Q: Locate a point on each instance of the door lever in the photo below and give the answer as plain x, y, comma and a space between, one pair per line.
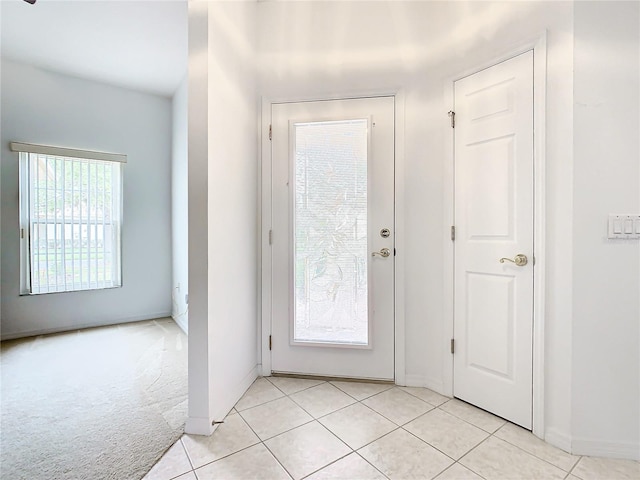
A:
520, 260
385, 252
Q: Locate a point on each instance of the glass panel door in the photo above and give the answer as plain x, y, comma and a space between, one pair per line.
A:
330, 232
331, 250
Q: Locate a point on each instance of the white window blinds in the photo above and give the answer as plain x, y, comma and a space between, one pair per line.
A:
71, 219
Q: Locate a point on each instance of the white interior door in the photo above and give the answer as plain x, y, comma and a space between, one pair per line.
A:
333, 238
493, 306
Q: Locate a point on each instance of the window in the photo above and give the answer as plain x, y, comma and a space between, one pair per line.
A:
70, 219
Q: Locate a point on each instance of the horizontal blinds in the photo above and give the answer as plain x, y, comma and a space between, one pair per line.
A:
67, 152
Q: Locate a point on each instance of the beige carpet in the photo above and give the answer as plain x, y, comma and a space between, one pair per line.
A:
101, 403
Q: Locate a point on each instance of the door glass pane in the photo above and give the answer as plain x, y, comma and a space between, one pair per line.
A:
330, 230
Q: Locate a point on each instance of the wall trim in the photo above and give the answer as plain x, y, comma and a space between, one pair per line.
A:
425, 382
538, 44
601, 448
232, 396
199, 426
265, 250
81, 326
399, 210
181, 321
558, 439
415, 381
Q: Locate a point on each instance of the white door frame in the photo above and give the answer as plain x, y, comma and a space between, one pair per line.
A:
539, 46
265, 219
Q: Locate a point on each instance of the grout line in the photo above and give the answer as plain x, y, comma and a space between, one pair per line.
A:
260, 404
394, 422
368, 396
483, 441
432, 446
463, 466
376, 439
473, 424
277, 460
186, 452
232, 453
273, 436
297, 391
531, 453
329, 464
381, 472
580, 457
435, 393
326, 414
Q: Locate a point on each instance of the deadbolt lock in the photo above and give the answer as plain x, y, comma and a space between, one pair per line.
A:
385, 233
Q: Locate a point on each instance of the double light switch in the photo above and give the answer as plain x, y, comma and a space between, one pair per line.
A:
624, 226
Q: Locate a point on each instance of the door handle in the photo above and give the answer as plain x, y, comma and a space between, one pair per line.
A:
520, 260
385, 252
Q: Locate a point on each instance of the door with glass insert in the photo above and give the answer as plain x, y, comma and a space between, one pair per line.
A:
333, 238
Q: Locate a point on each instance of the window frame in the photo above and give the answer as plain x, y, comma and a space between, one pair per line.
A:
25, 221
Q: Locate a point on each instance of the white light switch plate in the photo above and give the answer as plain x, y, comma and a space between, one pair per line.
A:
624, 226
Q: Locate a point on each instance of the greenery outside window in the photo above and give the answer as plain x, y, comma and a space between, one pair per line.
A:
70, 219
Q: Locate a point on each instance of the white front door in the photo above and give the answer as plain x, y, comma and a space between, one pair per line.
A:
333, 238
493, 305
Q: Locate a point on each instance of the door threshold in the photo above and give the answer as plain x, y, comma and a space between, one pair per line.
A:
328, 378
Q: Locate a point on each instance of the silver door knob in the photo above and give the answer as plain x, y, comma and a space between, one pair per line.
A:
385, 252
520, 260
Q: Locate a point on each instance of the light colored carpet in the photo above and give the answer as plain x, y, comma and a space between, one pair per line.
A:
101, 403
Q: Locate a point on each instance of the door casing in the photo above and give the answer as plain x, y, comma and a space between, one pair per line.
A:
265, 219
539, 46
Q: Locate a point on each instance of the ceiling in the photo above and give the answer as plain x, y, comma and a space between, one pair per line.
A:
141, 45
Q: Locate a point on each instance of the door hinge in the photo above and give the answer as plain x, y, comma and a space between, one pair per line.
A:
453, 346
270, 133
452, 116
22, 233
453, 233
270, 342
270, 237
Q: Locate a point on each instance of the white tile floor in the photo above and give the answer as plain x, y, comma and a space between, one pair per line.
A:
285, 428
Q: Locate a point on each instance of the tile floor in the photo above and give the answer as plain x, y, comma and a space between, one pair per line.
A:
285, 428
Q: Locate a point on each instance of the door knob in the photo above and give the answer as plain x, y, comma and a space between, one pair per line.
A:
385, 252
520, 260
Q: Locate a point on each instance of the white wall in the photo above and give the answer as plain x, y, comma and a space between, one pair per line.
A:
333, 49
52, 109
179, 207
606, 288
223, 140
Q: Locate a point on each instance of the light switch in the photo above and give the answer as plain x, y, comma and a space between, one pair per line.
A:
617, 225
624, 226
628, 226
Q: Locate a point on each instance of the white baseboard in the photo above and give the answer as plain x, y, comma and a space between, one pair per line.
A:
80, 326
181, 321
234, 394
199, 426
558, 439
415, 380
598, 448
435, 385
425, 382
